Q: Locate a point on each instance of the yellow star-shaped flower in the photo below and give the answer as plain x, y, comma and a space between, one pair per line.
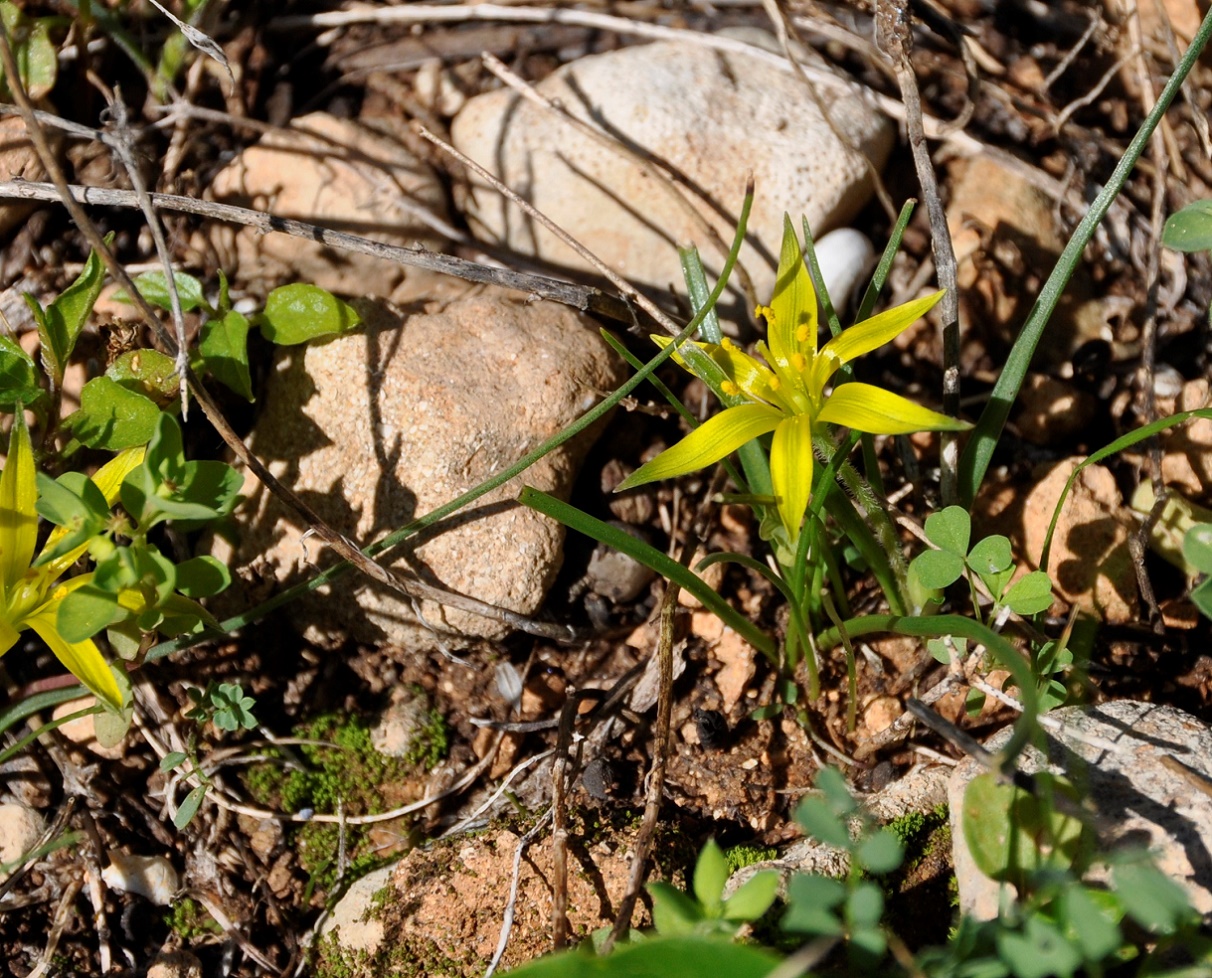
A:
789, 393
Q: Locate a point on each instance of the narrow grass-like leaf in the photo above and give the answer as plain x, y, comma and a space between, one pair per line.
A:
979, 453
650, 557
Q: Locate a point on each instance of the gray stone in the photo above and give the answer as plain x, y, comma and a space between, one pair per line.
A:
712, 117
1141, 799
378, 427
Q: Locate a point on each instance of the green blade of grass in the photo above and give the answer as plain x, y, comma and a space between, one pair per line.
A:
979, 453
649, 556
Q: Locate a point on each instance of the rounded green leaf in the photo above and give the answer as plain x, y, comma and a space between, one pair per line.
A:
818, 820
201, 577
298, 313
991, 555
1151, 898
754, 898
113, 417
811, 901
153, 286
18, 375
881, 852
1030, 595
673, 912
1197, 547
661, 957
865, 905
147, 372
1191, 228
1089, 925
86, 611
937, 569
950, 530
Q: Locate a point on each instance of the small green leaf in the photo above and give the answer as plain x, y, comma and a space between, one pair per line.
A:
818, 820
298, 313
1201, 597
881, 852
147, 372
154, 288
1190, 229
33, 50
189, 807
1197, 547
87, 611
810, 905
937, 569
1151, 898
224, 349
950, 530
754, 898
1089, 926
710, 875
18, 376
974, 702
202, 577
991, 555
1030, 595
113, 417
171, 760
944, 649
1040, 951
832, 785
673, 913
865, 905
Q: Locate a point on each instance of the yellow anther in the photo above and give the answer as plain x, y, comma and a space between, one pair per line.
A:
726, 344
766, 313
798, 361
801, 333
775, 383
729, 388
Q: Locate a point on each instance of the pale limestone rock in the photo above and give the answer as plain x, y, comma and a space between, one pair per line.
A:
1140, 801
711, 116
383, 425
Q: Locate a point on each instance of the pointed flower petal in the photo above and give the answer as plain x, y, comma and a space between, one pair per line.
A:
865, 407
82, 659
18, 515
707, 444
873, 333
8, 636
791, 469
792, 317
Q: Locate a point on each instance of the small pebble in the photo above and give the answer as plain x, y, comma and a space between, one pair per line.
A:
599, 779
712, 728
152, 877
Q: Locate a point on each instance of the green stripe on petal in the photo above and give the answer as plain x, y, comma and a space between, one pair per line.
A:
18, 498
707, 444
109, 480
791, 469
793, 305
82, 659
873, 333
865, 407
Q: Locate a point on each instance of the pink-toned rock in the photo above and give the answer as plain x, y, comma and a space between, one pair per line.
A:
18, 161
1187, 451
336, 173
1090, 563
1052, 411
